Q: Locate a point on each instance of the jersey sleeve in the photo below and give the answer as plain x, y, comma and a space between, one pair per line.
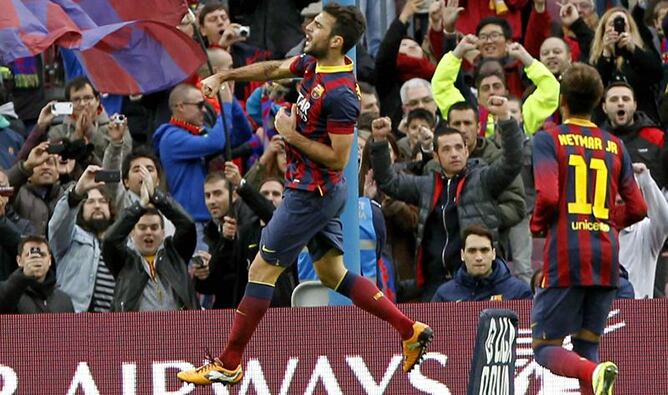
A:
545, 172
342, 108
300, 64
634, 208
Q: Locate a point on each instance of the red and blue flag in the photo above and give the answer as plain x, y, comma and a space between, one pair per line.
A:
125, 46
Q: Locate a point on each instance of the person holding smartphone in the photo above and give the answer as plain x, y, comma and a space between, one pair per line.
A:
87, 121
32, 287
622, 51
80, 219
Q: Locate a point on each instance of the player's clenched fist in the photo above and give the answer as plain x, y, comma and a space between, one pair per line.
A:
380, 128
286, 123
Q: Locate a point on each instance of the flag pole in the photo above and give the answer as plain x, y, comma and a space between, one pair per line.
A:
228, 139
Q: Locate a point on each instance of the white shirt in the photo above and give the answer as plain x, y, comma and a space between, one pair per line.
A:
640, 244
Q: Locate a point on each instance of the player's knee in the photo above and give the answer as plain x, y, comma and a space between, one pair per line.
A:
264, 272
541, 349
586, 349
330, 269
587, 335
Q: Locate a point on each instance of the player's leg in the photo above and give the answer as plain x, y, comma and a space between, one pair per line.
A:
226, 368
556, 313
262, 278
597, 304
326, 250
291, 226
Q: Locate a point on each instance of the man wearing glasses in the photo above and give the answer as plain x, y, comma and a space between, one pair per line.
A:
88, 120
184, 143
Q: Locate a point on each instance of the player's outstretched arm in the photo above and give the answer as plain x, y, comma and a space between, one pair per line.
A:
261, 71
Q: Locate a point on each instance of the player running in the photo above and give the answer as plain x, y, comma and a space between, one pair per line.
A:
318, 131
579, 171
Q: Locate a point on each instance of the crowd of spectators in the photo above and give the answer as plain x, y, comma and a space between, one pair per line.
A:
178, 218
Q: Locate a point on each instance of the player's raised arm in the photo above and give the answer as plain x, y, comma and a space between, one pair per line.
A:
262, 71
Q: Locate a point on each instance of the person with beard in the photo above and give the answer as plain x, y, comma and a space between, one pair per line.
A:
643, 138
318, 132
32, 287
151, 273
77, 227
35, 181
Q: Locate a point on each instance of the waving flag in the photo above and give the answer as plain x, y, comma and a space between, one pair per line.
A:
125, 46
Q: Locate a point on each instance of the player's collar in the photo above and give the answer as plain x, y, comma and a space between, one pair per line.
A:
346, 68
580, 122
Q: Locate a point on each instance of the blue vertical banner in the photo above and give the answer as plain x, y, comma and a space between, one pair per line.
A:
351, 231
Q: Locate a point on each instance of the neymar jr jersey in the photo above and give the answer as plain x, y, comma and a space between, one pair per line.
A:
328, 102
579, 171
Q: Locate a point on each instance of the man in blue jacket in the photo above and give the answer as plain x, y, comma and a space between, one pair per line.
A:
184, 143
483, 276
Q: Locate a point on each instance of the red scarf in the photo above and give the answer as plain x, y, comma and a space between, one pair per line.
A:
187, 126
410, 67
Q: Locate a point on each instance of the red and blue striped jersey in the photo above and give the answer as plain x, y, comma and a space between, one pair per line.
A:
579, 171
328, 102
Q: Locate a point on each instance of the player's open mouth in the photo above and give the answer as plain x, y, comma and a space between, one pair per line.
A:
621, 114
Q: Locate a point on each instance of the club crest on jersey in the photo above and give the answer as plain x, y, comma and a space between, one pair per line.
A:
317, 92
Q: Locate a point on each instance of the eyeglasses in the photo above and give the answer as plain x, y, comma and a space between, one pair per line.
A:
199, 104
491, 36
83, 99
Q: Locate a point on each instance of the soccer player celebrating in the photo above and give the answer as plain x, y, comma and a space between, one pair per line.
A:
579, 171
318, 131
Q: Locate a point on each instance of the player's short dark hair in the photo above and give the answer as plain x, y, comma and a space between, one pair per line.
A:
581, 89
464, 106
478, 230
32, 239
618, 84
350, 24
421, 113
444, 130
495, 20
487, 68
141, 151
209, 8
77, 84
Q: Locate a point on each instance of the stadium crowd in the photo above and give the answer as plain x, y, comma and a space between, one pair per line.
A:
76, 237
